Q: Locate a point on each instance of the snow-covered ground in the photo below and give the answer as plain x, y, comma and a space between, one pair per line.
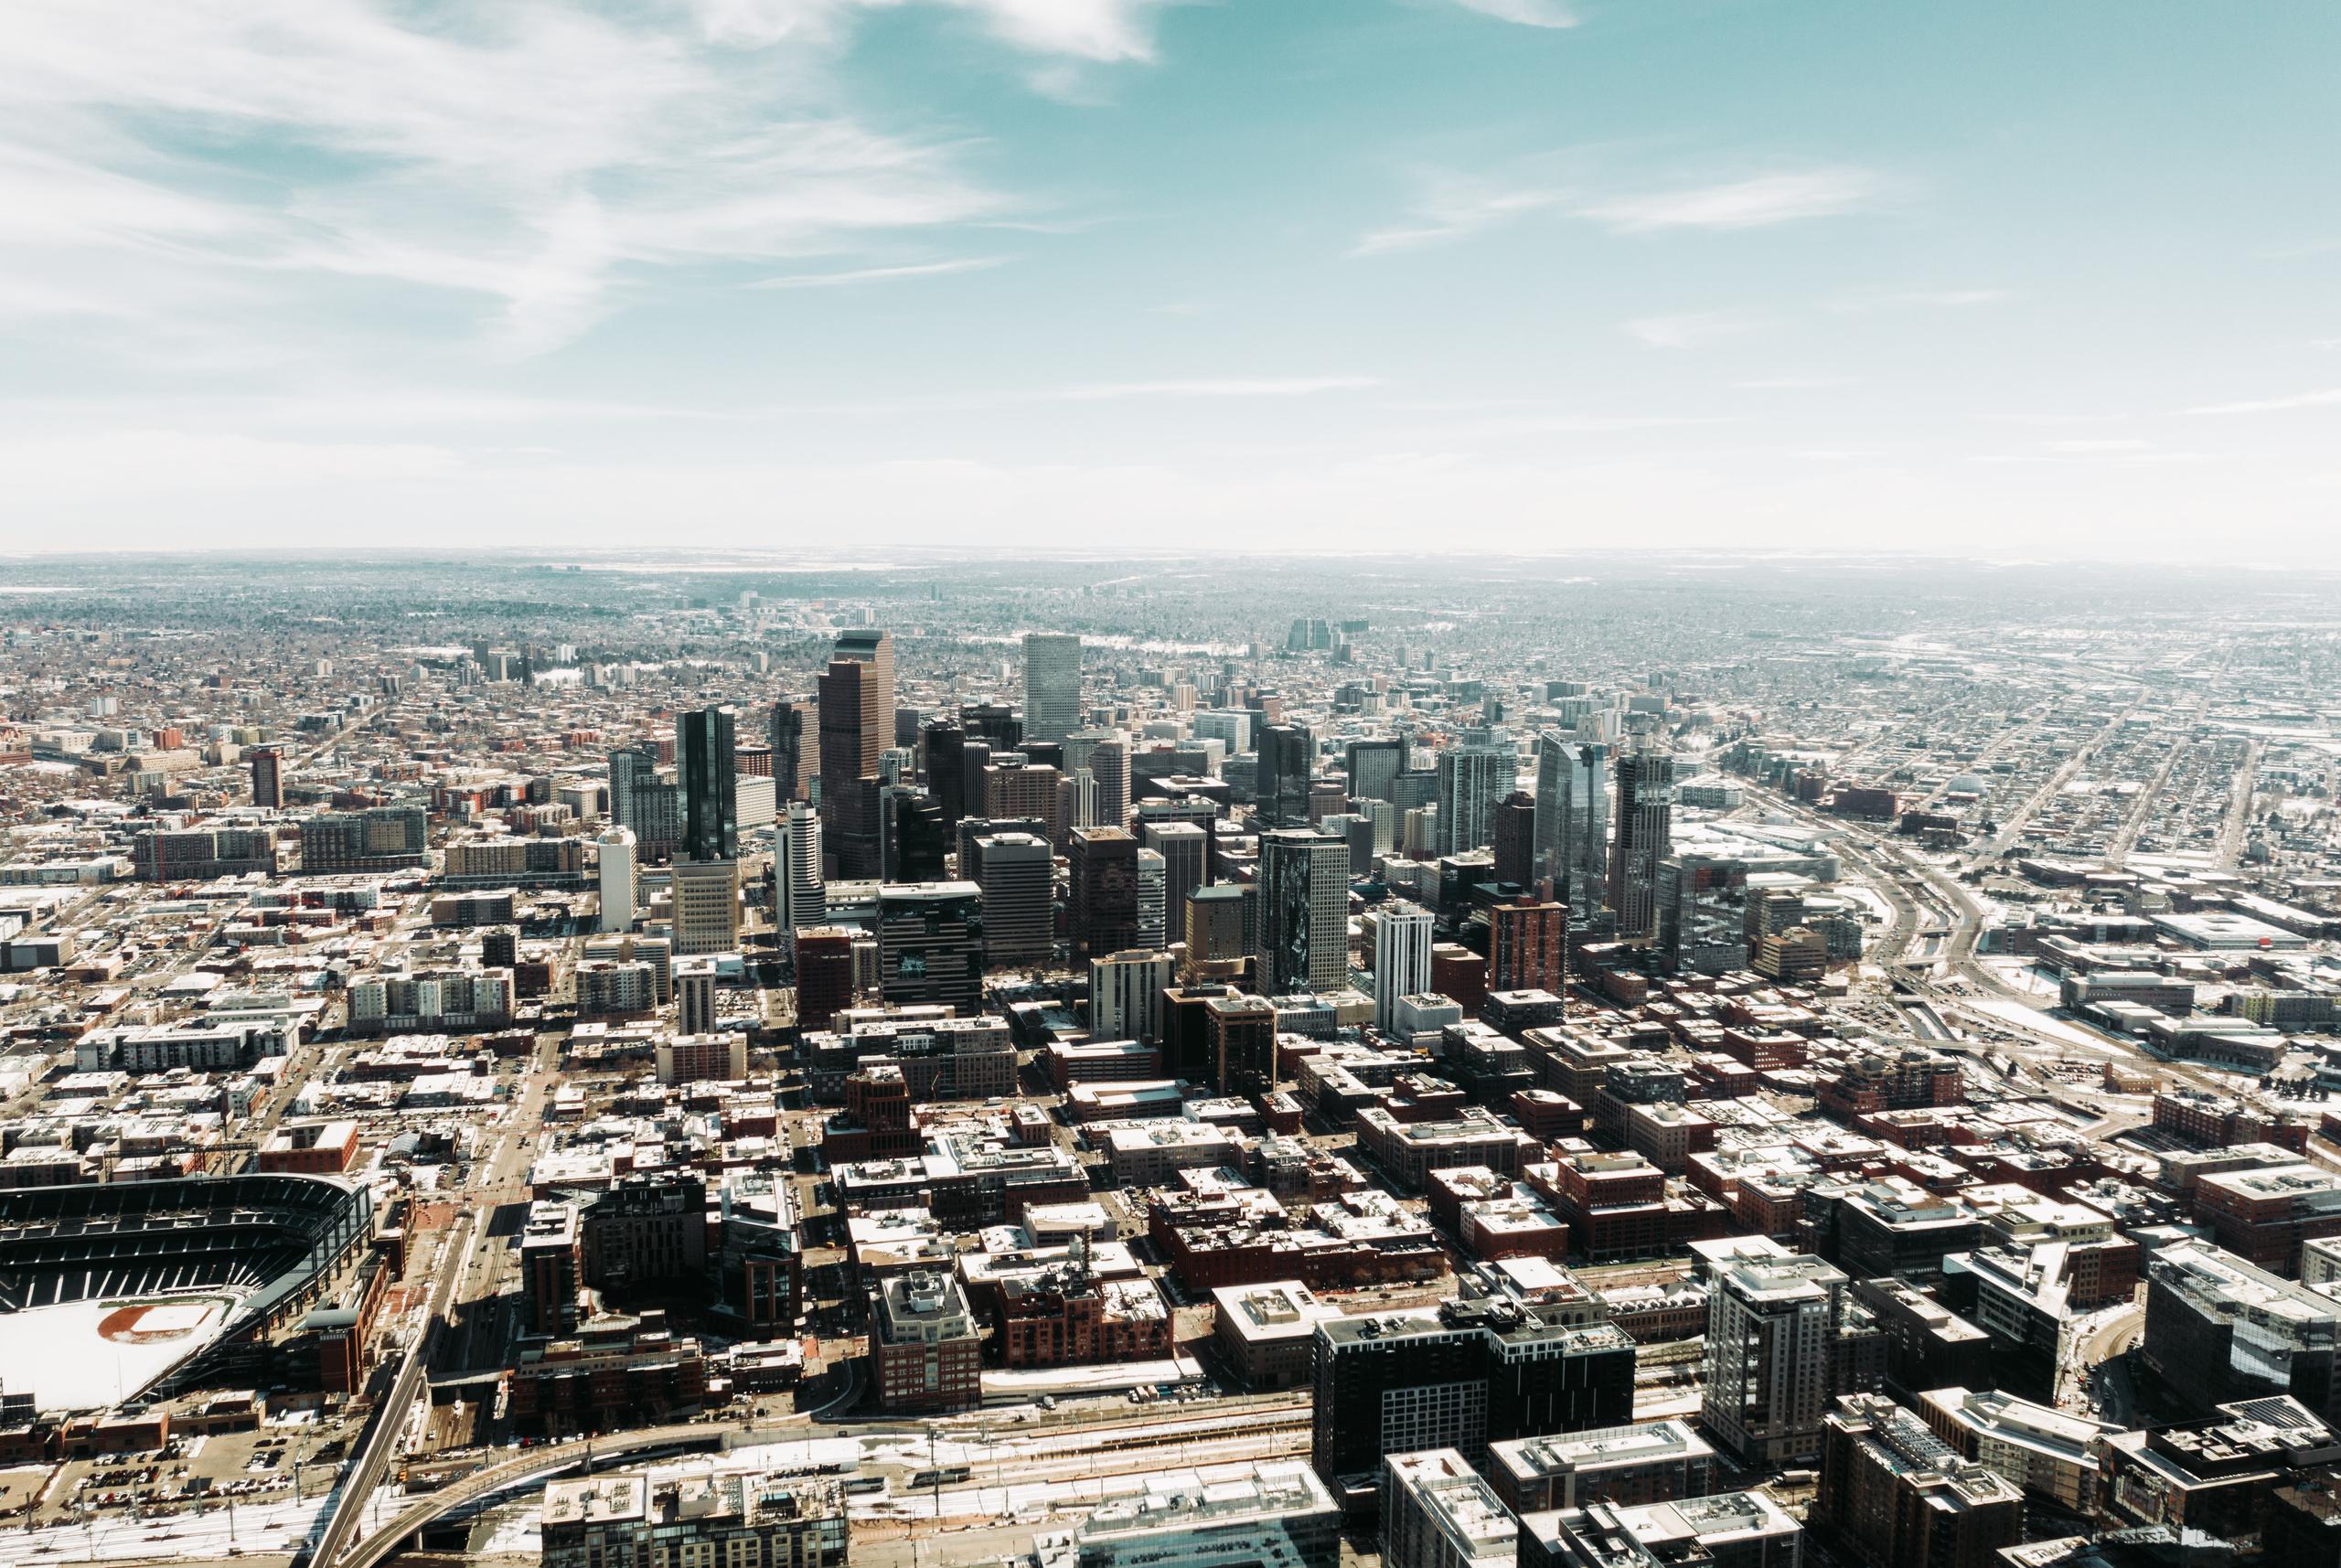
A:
988, 1493
260, 1527
1868, 896
2023, 974
58, 1355
2024, 1017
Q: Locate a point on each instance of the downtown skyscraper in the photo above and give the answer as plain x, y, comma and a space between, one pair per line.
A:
1280, 787
1473, 776
1573, 818
1645, 827
706, 744
1304, 912
1051, 685
791, 766
1403, 936
857, 703
1375, 766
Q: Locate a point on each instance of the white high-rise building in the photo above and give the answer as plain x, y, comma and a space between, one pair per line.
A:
1125, 996
1231, 725
706, 906
756, 800
1438, 1512
1051, 685
1153, 900
1402, 944
616, 850
1278, 1516
1088, 807
800, 897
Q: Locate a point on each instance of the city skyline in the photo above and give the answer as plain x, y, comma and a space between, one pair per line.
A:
1297, 279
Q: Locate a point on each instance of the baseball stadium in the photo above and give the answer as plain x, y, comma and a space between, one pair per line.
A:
113, 1291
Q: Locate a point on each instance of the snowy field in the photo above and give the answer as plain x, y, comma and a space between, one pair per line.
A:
86, 1355
272, 1528
2055, 1030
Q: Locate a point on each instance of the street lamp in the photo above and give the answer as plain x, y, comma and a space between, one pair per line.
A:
933, 1476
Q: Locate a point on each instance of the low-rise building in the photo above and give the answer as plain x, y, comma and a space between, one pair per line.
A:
1437, 1512
1409, 1151
1263, 1331
1728, 1530
1279, 1515
693, 1514
2042, 1449
1659, 1461
926, 1351
1893, 1495
614, 1371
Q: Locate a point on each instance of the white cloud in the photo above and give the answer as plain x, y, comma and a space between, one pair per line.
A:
2084, 448
2326, 398
1744, 204
1101, 30
1527, 13
1395, 497
1452, 206
1690, 329
1547, 424
549, 161
1235, 386
879, 274
1946, 299
1953, 297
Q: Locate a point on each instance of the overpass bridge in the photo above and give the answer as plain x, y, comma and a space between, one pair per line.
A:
530, 1466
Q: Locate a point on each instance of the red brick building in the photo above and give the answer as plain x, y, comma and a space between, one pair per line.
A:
1527, 938
311, 1148
925, 1352
622, 1371
1614, 1204
1068, 1317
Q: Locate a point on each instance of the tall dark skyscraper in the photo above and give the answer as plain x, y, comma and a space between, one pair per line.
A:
268, 778
994, 723
789, 763
931, 945
1104, 884
1495, 1364
705, 743
916, 838
1645, 825
1304, 883
945, 745
857, 702
1514, 836
1573, 818
1280, 788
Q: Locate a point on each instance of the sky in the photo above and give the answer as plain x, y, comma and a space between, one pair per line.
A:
1995, 279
